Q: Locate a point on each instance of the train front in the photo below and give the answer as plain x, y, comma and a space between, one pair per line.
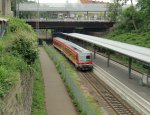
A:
85, 61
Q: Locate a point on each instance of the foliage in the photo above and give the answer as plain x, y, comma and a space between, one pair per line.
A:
24, 42
132, 23
16, 24
10, 69
14, 4
38, 105
142, 39
7, 79
129, 18
16, 49
144, 12
115, 9
26, 47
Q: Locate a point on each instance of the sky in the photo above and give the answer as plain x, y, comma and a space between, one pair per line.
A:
61, 1
71, 1
56, 1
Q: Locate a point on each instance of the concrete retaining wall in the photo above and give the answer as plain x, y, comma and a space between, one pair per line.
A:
19, 100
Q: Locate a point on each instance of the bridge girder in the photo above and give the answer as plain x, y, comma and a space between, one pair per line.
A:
92, 25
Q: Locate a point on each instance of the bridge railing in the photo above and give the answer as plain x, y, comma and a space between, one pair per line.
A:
76, 20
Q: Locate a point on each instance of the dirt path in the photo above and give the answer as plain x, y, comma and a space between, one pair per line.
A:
56, 97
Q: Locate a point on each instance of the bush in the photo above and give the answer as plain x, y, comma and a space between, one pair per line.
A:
17, 49
16, 24
7, 79
132, 38
10, 70
25, 46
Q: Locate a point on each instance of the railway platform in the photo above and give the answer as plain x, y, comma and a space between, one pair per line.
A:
57, 99
121, 73
131, 90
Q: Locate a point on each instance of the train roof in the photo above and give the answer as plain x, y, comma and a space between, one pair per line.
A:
73, 46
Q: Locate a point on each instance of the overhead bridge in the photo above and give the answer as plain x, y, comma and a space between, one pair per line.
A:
70, 24
67, 16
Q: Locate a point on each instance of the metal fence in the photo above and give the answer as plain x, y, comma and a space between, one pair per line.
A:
81, 101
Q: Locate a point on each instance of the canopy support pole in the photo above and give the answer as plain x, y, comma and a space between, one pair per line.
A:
87, 15
108, 58
94, 52
1, 29
148, 75
46, 34
130, 64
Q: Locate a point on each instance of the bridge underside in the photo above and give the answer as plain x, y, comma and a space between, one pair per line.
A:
71, 25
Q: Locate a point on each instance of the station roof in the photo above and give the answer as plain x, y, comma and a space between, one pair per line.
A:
133, 51
61, 7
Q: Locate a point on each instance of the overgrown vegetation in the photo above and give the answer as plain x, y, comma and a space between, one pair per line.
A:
38, 105
71, 88
18, 51
132, 22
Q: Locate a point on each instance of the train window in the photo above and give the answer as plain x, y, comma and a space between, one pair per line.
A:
88, 57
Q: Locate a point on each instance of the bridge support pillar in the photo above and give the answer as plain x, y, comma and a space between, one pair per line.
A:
94, 51
1, 29
87, 13
46, 34
105, 15
130, 64
52, 32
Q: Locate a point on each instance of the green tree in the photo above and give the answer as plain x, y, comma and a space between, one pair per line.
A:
144, 12
130, 17
26, 47
114, 10
24, 42
14, 4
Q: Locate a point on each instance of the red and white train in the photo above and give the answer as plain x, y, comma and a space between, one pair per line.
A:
81, 57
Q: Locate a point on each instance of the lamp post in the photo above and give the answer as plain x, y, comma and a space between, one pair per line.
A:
17, 8
38, 19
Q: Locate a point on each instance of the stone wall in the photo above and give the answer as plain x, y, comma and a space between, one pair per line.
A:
5, 7
19, 100
0, 7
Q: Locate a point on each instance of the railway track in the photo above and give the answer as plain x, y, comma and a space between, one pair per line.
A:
103, 91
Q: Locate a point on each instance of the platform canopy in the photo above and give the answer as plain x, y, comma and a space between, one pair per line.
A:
61, 7
133, 51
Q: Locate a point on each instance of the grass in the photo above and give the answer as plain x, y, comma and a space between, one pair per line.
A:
139, 39
38, 104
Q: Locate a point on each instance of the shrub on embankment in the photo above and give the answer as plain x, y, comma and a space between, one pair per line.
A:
18, 51
140, 39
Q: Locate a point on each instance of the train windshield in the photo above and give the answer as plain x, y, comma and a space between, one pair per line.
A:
88, 57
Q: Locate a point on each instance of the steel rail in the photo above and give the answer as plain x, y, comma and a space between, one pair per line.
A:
119, 107
136, 101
